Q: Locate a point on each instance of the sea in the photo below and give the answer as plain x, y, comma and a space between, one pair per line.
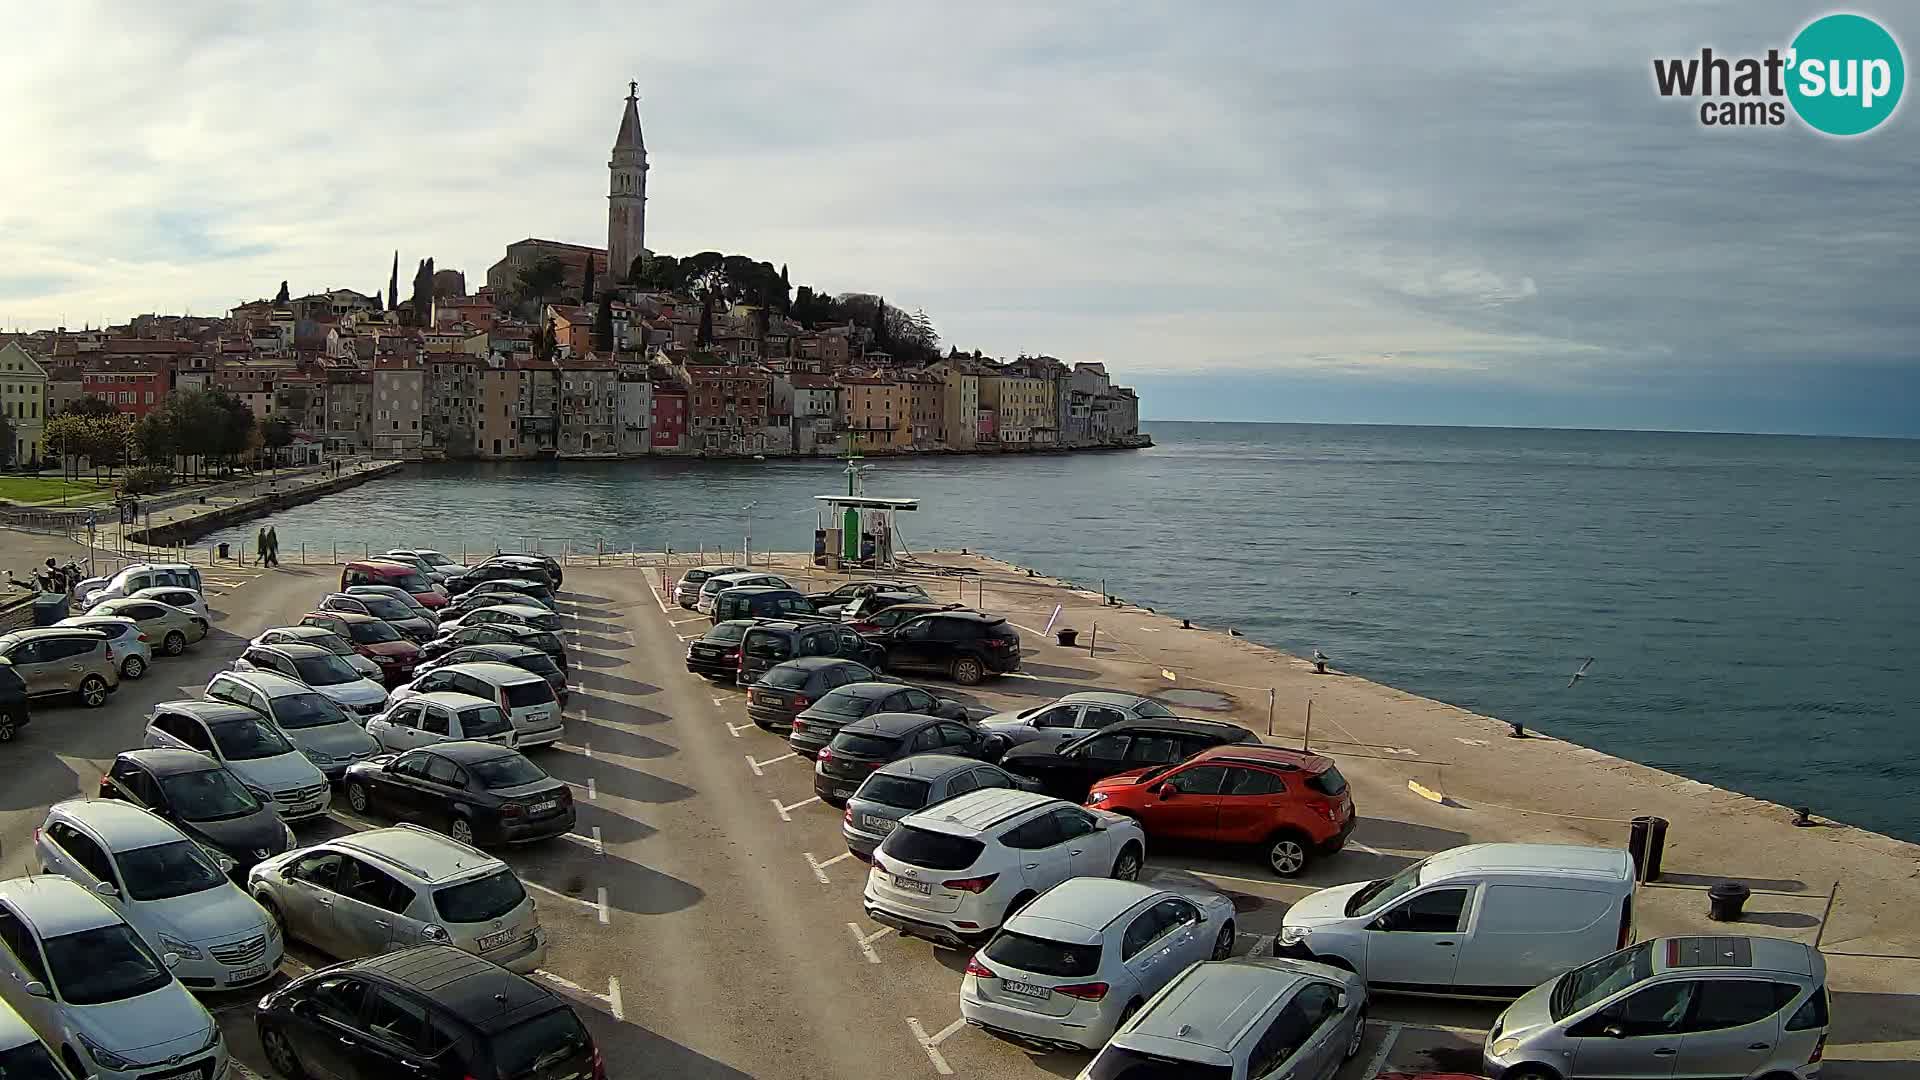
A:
1751, 604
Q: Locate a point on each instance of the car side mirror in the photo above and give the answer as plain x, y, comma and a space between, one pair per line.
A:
1339, 1000
1167, 790
36, 988
1614, 1031
107, 888
171, 959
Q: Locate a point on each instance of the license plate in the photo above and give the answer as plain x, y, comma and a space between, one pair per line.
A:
305, 807
248, 974
1038, 993
843, 793
191, 1072
877, 823
494, 941
543, 807
910, 885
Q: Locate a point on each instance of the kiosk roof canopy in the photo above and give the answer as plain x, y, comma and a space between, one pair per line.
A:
869, 502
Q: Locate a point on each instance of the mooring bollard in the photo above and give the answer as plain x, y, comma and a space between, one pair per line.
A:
1725, 901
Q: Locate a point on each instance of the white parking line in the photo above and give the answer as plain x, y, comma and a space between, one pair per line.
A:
758, 767
245, 1073
688, 637
613, 999
683, 622
599, 845
1358, 846
784, 809
932, 1045
820, 868
557, 893
1379, 1059
865, 941
720, 701
605, 917
1262, 945
734, 729
657, 600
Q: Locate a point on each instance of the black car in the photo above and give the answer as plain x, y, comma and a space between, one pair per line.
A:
764, 602
864, 745
785, 689
716, 653
546, 563
14, 713
775, 641
202, 799
1068, 770
498, 634
524, 657
814, 726
496, 571
485, 596
831, 601
479, 793
966, 645
431, 1011
536, 593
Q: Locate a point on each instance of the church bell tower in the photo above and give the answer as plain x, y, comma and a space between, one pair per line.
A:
627, 192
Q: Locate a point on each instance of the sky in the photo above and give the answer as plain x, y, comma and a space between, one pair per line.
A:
1364, 212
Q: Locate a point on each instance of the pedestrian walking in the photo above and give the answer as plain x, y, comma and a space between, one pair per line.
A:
260, 547
273, 546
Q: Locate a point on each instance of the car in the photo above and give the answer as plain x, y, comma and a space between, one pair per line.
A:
323, 731
22, 1055
129, 642
408, 558
518, 590
833, 600
437, 565
401, 617
686, 591
15, 713
866, 744
456, 584
954, 872
480, 793
1287, 806
1065, 970
718, 583
201, 798
174, 628
1680, 1006
340, 681
437, 717
772, 641
966, 646
499, 633
789, 687
1065, 719
383, 889
908, 785
526, 698
399, 575
489, 594
1069, 770
58, 661
869, 625
525, 657
90, 986
499, 1025
167, 886
858, 612
536, 563
815, 726
373, 639
1245, 1019
132, 579
322, 638
248, 745
716, 653
174, 595
763, 602
539, 618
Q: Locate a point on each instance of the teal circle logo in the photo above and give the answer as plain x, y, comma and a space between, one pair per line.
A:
1847, 74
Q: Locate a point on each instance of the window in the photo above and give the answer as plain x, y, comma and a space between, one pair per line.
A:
19, 941
1730, 1003
339, 998
1317, 1001
1283, 1038
1436, 912
1099, 716
321, 868
1656, 1010
1812, 1013
1060, 716
403, 1021
990, 778
1252, 782
445, 773
1072, 822
1041, 832
1199, 780
1152, 749
436, 722
1105, 748
369, 885
413, 766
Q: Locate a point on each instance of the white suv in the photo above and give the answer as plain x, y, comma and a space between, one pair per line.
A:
172, 890
955, 871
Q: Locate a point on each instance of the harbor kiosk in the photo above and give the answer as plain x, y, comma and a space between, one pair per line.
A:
856, 530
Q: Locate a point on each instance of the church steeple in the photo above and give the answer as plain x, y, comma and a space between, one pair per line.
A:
627, 192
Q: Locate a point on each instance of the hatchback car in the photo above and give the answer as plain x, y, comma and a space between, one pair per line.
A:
384, 889
686, 591
248, 744
525, 657
418, 1012
868, 743
505, 611
139, 576
908, 786
499, 633
763, 602
457, 584
718, 583
1066, 969
436, 565
128, 640
399, 575
94, 990
1245, 1019
518, 591
477, 792
1287, 806
966, 646
333, 677
774, 641
539, 567
815, 726
716, 653
1069, 770
441, 716
175, 596
324, 732
954, 872
22, 1055
167, 886
55, 661
1068, 718
373, 639
322, 638
15, 713
1686, 1006
788, 688
402, 617
526, 698
492, 594
203, 799
174, 628
408, 558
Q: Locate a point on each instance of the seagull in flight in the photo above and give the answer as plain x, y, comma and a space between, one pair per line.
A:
1582, 673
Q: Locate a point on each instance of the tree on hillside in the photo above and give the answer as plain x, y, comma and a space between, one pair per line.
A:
393, 283
543, 279
423, 294
786, 290
706, 319
586, 283
91, 405
281, 296
156, 437
603, 325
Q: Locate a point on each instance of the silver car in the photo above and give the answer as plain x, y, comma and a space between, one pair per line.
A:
330, 738
686, 591
1066, 969
323, 638
1247, 1019
418, 627
1064, 719
130, 645
251, 748
1690, 1006
320, 669
441, 716
174, 628
184, 599
902, 787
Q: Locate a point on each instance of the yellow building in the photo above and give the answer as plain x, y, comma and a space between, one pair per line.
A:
878, 412
1023, 407
23, 399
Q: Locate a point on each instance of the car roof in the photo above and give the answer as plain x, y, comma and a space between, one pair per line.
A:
377, 563
481, 993
819, 663
498, 649
1102, 697
124, 826
169, 761
755, 590
866, 691
428, 855
450, 699
14, 1032
892, 723
88, 622
294, 651
928, 766
1577, 860
968, 615
271, 683
348, 616
1213, 1005
495, 671
788, 626
297, 631
208, 709
34, 633
1272, 757
725, 579
1181, 724
719, 568
519, 609
55, 905
465, 751
977, 810
514, 628
500, 583
1752, 953
1083, 907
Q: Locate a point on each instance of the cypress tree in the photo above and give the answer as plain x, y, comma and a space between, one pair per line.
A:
393, 283
586, 285
706, 319
603, 325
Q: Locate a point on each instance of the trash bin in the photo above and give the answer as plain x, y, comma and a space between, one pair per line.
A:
1647, 841
223, 551
1067, 635
1725, 900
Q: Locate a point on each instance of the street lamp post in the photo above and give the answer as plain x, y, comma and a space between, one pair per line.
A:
746, 546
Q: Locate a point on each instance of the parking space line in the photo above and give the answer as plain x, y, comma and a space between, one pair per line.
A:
932, 1045
720, 701
1379, 1059
657, 600
599, 845
605, 916
1358, 846
784, 809
613, 999
688, 637
865, 941
557, 893
758, 767
683, 622
820, 868
1262, 943
241, 1068
734, 729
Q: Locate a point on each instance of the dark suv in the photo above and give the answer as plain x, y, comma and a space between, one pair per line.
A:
776, 641
430, 1011
764, 602
966, 645
778, 696
1068, 770
864, 745
815, 726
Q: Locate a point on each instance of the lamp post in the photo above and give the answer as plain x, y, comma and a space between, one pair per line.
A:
746, 545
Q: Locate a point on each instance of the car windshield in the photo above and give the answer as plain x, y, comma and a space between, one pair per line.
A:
868, 746
207, 795
412, 581
505, 771
544, 640
164, 871
386, 607
933, 850
248, 739
329, 641
371, 633
727, 633
1119, 1063
29, 1062
1589, 985
839, 704
1043, 956
521, 695
548, 1039
767, 646
1378, 894
309, 710
695, 577
326, 670
1157, 772
539, 663
1151, 708
787, 677
107, 963
482, 721
489, 897
900, 792
434, 558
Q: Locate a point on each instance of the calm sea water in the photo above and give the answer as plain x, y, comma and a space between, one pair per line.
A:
1753, 602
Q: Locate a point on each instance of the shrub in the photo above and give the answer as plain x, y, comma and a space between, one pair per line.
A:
146, 480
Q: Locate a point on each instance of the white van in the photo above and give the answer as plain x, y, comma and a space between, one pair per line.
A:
1485, 920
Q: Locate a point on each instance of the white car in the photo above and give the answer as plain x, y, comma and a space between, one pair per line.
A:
95, 991
506, 611
323, 638
1066, 969
686, 591
719, 583
172, 890
334, 678
439, 567
330, 737
526, 698
139, 576
954, 872
251, 748
130, 644
440, 716
21, 1051
184, 599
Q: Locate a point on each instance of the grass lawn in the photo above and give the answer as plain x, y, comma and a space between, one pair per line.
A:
43, 489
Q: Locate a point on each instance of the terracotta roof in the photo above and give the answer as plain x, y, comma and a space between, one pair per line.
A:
812, 382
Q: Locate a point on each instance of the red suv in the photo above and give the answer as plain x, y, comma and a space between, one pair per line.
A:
1288, 804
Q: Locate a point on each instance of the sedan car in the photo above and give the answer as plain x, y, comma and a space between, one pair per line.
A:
201, 798
910, 785
373, 639
686, 591
1066, 969
716, 653
815, 726
789, 687
250, 746
833, 600
477, 792
525, 657
174, 628
401, 617
498, 634
185, 599
505, 611
872, 624
484, 595
131, 648
1068, 718
519, 590
864, 745
321, 638
1068, 770
438, 566
326, 673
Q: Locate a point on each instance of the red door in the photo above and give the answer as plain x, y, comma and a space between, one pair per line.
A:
1253, 802
1192, 809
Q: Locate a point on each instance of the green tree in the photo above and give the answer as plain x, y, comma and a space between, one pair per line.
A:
543, 278
586, 283
786, 291
276, 434
92, 405
393, 283
603, 325
6, 441
281, 296
423, 294
156, 436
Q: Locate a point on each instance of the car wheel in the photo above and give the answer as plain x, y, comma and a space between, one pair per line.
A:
1359, 1034
1126, 867
1287, 854
174, 643
273, 912
93, 691
968, 671
461, 830
279, 1053
1126, 1014
1223, 945
133, 667
357, 797
6, 729
1529, 1072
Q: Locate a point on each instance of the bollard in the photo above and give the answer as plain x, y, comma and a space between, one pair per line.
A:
1093, 637
1725, 901
1067, 635
1647, 842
